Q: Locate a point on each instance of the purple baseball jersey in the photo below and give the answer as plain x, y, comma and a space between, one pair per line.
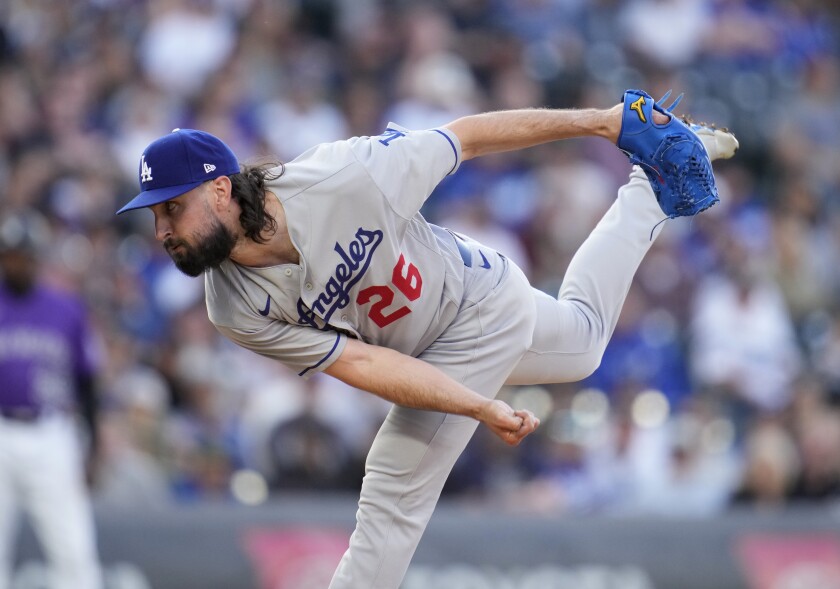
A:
45, 345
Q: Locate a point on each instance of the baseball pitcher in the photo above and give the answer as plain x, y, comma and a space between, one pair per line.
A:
326, 265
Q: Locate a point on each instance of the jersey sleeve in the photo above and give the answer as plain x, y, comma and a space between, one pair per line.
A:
408, 165
302, 349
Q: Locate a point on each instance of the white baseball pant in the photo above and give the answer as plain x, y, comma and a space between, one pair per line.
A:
514, 335
41, 472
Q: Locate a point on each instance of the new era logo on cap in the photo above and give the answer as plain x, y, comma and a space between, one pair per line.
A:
182, 160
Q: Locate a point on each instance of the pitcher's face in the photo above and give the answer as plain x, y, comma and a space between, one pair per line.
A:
191, 232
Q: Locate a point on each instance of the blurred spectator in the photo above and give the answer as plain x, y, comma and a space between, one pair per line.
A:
803, 249
434, 85
701, 471
743, 342
203, 448
826, 349
307, 451
815, 425
184, 42
669, 47
819, 450
625, 465
801, 137
135, 448
771, 467
303, 117
742, 29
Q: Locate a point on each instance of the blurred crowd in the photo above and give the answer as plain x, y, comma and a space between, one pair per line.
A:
721, 385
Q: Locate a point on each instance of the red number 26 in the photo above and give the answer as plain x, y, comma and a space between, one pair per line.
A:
406, 278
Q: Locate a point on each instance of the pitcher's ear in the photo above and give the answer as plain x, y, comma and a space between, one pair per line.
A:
222, 192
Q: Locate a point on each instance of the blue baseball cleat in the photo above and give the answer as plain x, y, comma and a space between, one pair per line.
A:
672, 155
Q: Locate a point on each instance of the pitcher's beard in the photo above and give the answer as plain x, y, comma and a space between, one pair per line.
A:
208, 252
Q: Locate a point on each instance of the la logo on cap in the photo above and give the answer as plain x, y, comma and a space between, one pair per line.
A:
145, 170
183, 160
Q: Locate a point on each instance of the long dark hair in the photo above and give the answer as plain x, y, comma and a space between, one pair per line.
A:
249, 191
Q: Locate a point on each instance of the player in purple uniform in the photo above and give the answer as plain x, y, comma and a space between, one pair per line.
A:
326, 264
46, 373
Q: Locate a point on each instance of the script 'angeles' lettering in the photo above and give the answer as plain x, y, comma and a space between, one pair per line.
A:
355, 260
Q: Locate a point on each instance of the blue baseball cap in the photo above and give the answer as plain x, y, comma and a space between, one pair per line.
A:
178, 162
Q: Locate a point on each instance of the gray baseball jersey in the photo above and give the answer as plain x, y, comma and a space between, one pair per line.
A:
370, 264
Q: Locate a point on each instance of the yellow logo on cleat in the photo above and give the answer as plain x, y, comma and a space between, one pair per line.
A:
637, 106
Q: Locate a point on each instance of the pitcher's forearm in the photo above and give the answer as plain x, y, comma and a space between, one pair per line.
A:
500, 131
404, 380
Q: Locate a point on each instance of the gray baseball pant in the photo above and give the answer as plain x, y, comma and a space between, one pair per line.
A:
510, 334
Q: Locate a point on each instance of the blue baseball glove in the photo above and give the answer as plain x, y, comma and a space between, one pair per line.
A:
672, 155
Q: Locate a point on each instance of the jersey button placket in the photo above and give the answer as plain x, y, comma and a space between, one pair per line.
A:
287, 271
308, 286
